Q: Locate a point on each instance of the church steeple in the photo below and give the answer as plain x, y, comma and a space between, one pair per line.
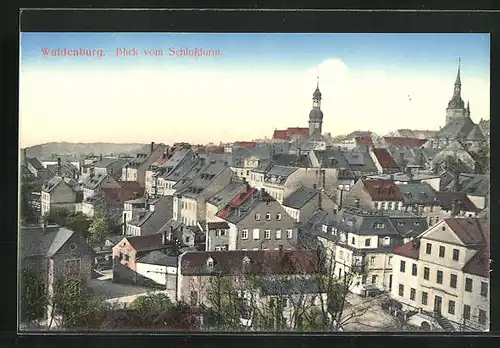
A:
316, 115
458, 83
456, 107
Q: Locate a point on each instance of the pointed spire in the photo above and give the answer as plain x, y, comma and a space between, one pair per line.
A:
468, 108
458, 82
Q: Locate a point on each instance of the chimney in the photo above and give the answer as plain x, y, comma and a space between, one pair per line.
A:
124, 223
152, 146
164, 238
320, 203
25, 157
416, 243
100, 157
45, 225
402, 161
356, 203
455, 207
391, 177
59, 166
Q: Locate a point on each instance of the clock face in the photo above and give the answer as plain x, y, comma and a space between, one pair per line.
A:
457, 89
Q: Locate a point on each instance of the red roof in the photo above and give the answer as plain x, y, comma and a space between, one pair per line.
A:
280, 134
405, 141
363, 141
246, 144
385, 159
161, 161
408, 250
382, 190
290, 132
236, 202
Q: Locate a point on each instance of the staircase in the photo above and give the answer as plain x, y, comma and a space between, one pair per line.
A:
444, 323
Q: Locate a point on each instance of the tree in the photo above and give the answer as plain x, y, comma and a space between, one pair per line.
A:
58, 216
153, 308
182, 317
79, 223
33, 297
74, 303
98, 230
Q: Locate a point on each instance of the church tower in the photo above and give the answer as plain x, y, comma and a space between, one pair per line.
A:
316, 115
456, 109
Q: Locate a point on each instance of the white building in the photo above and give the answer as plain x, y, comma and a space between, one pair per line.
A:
446, 271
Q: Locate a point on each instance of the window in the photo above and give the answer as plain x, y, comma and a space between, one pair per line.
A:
268, 203
244, 234
401, 290
413, 294
426, 273
126, 257
451, 307
210, 263
386, 240
379, 225
484, 289
268, 216
289, 234
267, 234
188, 239
353, 241
439, 277
424, 298
278, 216
256, 233
367, 242
428, 248
414, 269
257, 216
466, 312
456, 253
278, 234
72, 266
402, 266
482, 317
453, 281
325, 228
121, 256
468, 284
374, 279
389, 262
341, 254
441, 251
372, 260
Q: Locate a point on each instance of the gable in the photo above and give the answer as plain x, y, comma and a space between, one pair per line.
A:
445, 235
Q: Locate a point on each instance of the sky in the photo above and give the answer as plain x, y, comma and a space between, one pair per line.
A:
254, 84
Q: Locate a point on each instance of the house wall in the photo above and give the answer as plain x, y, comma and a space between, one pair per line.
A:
61, 196
88, 209
476, 302
222, 239
156, 273
479, 201
127, 249
249, 223
408, 281
256, 180
141, 170
313, 205
358, 192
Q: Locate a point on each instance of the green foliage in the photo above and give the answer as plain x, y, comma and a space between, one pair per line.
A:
153, 308
76, 304
79, 223
28, 212
98, 230
226, 305
33, 296
182, 317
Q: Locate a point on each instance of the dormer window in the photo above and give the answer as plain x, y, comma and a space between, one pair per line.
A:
386, 241
350, 223
379, 225
417, 223
210, 263
246, 261
325, 228
257, 216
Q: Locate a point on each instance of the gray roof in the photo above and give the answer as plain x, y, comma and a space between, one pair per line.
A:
92, 182
141, 218
301, 161
203, 179
224, 196
331, 158
307, 143
299, 197
156, 257
281, 171
475, 134
263, 166
475, 184
34, 242
141, 200
105, 162
458, 128
418, 193
186, 169
364, 224
409, 226
237, 156
35, 163
56, 180
404, 177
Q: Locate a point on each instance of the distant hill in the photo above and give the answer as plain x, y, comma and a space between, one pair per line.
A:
75, 151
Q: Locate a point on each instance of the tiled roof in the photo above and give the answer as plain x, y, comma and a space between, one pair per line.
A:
225, 195
458, 128
280, 172
105, 162
237, 202
283, 159
405, 141
385, 159
445, 200
363, 140
203, 179
260, 262
299, 197
297, 131
382, 190
470, 231
145, 243
358, 134
409, 250
280, 134
35, 163
116, 197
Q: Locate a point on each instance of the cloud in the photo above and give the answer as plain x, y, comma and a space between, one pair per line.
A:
169, 105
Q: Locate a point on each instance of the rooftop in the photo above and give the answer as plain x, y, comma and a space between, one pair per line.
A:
300, 197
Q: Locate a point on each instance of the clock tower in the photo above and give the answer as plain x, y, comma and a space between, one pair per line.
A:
456, 108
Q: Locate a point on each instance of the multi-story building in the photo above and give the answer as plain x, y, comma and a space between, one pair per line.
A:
61, 193
363, 244
446, 272
190, 197
221, 198
257, 221
149, 220
110, 165
302, 203
372, 195
163, 166
135, 169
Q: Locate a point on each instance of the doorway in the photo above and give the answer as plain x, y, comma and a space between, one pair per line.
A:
437, 304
